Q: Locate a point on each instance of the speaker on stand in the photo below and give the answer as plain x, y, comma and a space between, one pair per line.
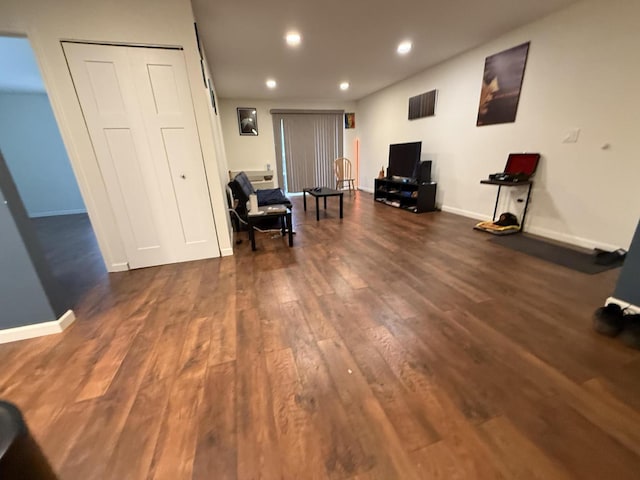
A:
424, 172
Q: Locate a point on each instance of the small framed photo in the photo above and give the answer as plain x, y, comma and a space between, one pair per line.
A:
349, 120
248, 121
213, 98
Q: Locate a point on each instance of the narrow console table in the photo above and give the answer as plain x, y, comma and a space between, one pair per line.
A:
500, 184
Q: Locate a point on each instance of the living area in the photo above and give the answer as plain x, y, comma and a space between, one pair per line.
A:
577, 199
578, 140
376, 342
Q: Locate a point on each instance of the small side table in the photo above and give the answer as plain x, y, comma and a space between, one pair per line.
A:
323, 192
501, 184
271, 211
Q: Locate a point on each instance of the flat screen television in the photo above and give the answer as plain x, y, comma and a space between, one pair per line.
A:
404, 159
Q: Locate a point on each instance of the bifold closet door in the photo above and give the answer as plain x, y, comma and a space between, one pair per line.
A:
137, 106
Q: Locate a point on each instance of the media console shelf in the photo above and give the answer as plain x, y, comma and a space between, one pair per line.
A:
411, 196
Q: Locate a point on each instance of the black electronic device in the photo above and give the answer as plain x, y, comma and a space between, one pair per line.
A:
404, 159
509, 177
424, 172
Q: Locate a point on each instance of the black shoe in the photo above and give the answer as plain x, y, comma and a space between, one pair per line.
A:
630, 335
608, 320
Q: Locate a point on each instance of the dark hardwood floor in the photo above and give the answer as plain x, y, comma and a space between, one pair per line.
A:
72, 252
385, 345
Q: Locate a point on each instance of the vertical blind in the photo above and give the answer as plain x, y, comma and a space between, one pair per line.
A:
307, 143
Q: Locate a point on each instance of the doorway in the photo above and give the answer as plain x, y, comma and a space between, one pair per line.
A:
39, 166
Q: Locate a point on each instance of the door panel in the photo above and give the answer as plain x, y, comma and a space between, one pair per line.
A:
105, 87
193, 230
138, 110
117, 133
164, 89
164, 92
129, 177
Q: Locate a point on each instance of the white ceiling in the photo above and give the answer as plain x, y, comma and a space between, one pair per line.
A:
18, 68
345, 40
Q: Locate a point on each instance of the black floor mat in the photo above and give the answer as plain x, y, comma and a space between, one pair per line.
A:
567, 257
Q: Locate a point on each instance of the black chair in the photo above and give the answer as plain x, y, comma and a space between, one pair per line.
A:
242, 188
20, 455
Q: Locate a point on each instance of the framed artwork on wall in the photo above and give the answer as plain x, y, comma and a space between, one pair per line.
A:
248, 121
501, 85
213, 97
349, 120
423, 105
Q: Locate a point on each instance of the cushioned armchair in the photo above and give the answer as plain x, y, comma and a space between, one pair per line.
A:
241, 188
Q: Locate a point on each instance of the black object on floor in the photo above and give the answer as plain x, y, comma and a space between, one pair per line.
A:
20, 455
609, 320
630, 335
566, 257
607, 258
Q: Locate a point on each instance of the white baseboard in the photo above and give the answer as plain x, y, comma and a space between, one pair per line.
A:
119, 267
226, 252
366, 189
54, 213
543, 232
626, 305
571, 239
37, 329
465, 213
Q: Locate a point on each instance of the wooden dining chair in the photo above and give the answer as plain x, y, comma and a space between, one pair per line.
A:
342, 167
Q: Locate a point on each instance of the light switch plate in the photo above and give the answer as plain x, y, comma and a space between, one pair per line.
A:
571, 136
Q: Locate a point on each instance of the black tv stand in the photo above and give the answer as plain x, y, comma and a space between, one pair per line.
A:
408, 195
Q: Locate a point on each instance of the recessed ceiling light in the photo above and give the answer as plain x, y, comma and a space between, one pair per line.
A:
293, 39
344, 86
271, 83
404, 48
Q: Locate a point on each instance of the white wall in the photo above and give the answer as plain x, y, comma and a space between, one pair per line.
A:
245, 152
157, 22
34, 152
583, 72
18, 67
218, 139
22, 296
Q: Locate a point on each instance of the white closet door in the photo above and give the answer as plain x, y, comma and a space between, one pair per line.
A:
140, 119
163, 90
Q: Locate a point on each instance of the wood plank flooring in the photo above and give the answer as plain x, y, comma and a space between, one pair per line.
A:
386, 345
72, 252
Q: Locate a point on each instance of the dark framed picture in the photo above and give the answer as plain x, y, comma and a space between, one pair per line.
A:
423, 105
349, 120
501, 85
248, 121
213, 98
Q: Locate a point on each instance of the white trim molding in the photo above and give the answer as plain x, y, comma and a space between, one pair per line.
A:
629, 307
465, 213
226, 252
571, 239
119, 267
55, 213
37, 329
542, 232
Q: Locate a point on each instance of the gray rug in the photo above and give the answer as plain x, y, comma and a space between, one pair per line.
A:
566, 257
